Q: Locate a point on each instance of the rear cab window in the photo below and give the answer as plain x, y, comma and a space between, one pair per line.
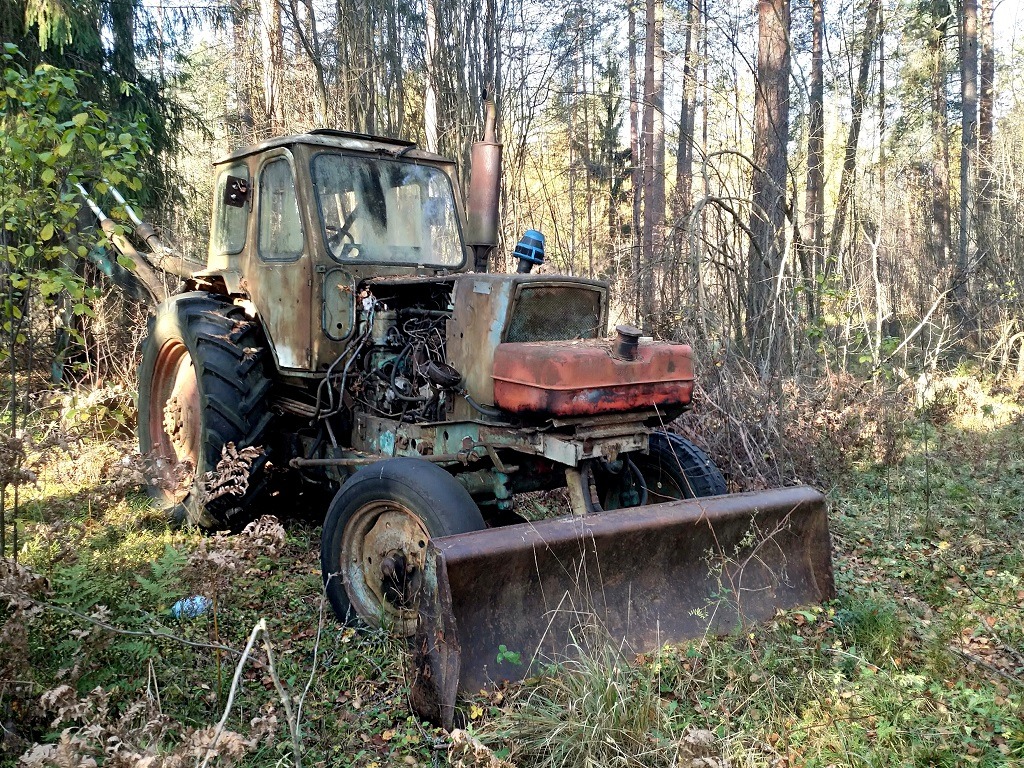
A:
231, 211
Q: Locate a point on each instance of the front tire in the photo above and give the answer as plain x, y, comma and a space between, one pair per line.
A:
203, 383
373, 546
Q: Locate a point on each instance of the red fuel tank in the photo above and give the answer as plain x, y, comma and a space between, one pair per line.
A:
582, 378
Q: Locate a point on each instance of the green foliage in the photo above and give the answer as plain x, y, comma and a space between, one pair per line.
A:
53, 140
870, 626
104, 412
52, 21
507, 656
164, 581
125, 49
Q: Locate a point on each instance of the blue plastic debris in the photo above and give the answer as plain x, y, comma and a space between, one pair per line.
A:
190, 607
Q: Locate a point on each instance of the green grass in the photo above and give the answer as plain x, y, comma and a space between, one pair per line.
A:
107, 556
918, 662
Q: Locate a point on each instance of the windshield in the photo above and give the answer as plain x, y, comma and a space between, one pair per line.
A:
390, 211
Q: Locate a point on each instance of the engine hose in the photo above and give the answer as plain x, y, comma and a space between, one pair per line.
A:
344, 377
394, 375
640, 480
486, 410
326, 380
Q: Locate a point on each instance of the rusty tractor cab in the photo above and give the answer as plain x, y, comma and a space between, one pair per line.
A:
338, 330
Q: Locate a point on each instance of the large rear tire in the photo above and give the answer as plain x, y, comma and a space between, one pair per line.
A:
373, 546
675, 468
202, 384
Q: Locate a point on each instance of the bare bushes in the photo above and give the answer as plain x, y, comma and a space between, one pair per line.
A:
98, 732
97, 363
765, 435
78, 372
959, 399
12, 463
18, 589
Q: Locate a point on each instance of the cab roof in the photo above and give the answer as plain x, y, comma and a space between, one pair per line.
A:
334, 139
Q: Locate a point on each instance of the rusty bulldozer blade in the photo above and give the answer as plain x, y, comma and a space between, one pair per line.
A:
643, 577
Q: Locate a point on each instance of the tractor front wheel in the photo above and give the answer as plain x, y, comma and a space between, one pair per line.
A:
374, 543
203, 383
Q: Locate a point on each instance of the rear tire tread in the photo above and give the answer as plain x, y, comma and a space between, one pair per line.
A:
231, 360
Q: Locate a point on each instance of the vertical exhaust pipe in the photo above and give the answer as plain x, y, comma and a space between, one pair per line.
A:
484, 191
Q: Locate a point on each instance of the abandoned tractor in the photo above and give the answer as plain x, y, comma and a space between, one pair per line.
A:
346, 327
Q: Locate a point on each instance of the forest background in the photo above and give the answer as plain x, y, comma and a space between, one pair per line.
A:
803, 185
823, 198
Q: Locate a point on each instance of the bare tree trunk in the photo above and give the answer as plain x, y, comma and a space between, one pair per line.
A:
883, 306
572, 87
369, 69
986, 183
853, 138
654, 158
636, 171
768, 212
395, 103
271, 44
310, 41
344, 65
240, 70
430, 98
682, 200
940, 226
490, 45
987, 63
812, 236
968, 140
587, 62
687, 113
499, 26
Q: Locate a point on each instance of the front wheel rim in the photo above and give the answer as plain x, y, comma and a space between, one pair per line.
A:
383, 554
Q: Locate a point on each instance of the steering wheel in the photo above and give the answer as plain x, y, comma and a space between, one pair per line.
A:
337, 235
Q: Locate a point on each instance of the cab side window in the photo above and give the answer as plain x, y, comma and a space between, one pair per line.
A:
231, 217
280, 227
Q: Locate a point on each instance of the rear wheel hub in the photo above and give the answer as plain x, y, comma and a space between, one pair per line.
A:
175, 422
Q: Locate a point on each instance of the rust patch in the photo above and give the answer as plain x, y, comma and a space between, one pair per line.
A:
633, 580
584, 378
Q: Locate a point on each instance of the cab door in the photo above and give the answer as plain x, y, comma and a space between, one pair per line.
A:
279, 270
